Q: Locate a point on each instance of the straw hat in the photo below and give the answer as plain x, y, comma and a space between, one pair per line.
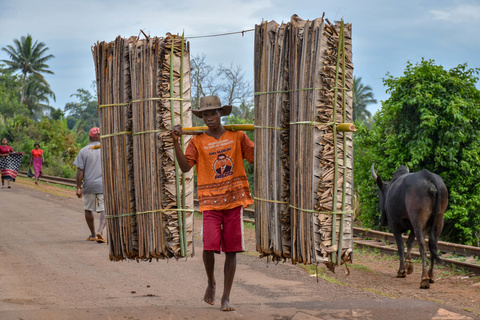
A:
212, 103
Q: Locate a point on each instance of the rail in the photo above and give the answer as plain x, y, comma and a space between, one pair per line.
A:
459, 255
52, 179
453, 254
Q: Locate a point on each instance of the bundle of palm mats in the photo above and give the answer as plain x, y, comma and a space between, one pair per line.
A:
143, 88
303, 158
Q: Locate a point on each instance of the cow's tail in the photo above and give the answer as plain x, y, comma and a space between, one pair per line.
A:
432, 240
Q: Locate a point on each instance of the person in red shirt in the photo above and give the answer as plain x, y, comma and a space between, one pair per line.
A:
5, 150
223, 190
37, 160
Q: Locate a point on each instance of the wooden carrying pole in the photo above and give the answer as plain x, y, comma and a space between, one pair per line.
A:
344, 127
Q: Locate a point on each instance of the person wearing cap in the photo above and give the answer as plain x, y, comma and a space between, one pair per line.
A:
37, 159
223, 190
89, 170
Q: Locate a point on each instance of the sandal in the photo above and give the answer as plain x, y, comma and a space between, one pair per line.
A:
91, 239
100, 238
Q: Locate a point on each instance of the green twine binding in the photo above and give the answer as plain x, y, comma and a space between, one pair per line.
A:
287, 91
266, 200
139, 100
265, 127
321, 212
144, 212
150, 131
115, 134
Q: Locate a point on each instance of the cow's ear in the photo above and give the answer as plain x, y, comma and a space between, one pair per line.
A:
379, 182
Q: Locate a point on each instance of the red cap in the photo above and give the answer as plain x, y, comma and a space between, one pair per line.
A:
94, 132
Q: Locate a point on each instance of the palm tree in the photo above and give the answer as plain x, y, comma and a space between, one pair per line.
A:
362, 96
36, 96
28, 58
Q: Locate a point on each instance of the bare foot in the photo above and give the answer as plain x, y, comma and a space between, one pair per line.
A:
209, 296
226, 306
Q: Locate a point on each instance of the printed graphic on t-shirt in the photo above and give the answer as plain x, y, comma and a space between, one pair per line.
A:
223, 166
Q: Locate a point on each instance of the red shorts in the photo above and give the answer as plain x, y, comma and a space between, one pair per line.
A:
223, 230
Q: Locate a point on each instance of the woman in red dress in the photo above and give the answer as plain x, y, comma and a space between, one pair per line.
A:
5, 150
37, 160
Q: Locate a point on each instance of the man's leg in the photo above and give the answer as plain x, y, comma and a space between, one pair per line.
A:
233, 242
99, 207
229, 272
101, 225
90, 222
209, 262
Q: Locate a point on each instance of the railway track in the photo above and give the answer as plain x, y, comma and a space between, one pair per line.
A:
52, 179
457, 255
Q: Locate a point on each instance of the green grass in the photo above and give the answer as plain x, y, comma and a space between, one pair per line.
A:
40, 182
251, 253
379, 292
313, 270
360, 267
375, 251
249, 225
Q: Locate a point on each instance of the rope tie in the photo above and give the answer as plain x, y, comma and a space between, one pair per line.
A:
140, 100
144, 212
114, 134
304, 210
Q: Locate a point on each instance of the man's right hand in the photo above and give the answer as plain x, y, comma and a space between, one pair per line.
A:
176, 132
79, 192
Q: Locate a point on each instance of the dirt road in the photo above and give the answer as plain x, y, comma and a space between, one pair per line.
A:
49, 271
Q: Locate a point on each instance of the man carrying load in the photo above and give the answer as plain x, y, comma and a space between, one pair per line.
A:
223, 189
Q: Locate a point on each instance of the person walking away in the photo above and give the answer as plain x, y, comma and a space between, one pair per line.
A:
37, 159
5, 151
223, 190
89, 170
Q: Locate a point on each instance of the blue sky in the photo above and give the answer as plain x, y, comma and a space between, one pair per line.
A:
386, 34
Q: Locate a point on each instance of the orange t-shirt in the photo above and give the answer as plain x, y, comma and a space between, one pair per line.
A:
37, 153
221, 178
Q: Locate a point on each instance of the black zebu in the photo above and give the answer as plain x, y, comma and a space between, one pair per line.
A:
415, 202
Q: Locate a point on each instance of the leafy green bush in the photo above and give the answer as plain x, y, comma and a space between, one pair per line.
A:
54, 137
431, 121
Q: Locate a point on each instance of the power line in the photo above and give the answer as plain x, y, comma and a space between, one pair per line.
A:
221, 34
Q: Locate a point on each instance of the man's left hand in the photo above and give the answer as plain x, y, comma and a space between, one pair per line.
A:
79, 193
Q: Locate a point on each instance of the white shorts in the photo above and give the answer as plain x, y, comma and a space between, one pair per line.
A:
93, 202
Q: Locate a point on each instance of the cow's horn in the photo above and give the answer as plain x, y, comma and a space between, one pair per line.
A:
408, 169
372, 170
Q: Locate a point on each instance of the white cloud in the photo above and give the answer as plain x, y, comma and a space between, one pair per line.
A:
458, 14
